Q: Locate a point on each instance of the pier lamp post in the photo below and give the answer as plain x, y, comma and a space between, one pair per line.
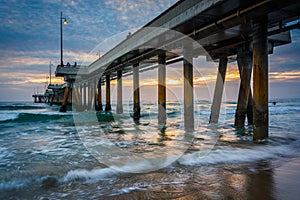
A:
62, 20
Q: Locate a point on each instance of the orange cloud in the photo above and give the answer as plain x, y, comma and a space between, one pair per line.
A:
284, 76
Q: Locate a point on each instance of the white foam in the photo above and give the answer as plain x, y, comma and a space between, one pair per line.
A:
90, 175
13, 184
143, 186
8, 116
236, 155
141, 165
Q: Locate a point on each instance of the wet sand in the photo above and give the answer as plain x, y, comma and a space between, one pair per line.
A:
271, 179
287, 178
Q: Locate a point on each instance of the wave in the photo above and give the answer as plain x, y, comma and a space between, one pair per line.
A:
14, 184
31, 117
220, 155
230, 155
20, 107
93, 117
8, 116
90, 175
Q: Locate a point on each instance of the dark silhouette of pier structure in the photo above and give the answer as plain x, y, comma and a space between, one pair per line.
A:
226, 30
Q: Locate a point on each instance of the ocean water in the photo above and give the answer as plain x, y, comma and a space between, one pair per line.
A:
45, 154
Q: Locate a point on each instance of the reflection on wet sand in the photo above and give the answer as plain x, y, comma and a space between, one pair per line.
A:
247, 181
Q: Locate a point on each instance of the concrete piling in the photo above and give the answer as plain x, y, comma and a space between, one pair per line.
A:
119, 92
260, 80
217, 99
107, 83
244, 60
136, 92
188, 87
162, 89
90, 97
63, 107
98, 103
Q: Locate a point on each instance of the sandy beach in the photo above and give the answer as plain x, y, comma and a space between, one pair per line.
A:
262, 180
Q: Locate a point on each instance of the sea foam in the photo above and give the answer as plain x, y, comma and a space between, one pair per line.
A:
8, 116
229, 155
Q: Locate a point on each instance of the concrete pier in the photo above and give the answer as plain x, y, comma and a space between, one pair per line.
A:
84, 95
188, 87
39, 98
77, 98
90, 97
98, 103
162, 89
95, 94
81, 96
250, 109
244, 60
119, 93
136, 92
107, 84
217, 99
260, 80
63, 107
221, 28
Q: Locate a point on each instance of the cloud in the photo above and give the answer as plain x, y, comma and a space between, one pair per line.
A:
133, 13
286, 58
289, 76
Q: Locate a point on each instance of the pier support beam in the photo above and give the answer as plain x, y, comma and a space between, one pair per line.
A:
89, 95
188, 87
81, 96
52, 98
95, 94
63, 107
162, 90
250, 109
84, 96
260, 81
107, 83
244, 60
136, 92
77, 98
216, 104
98, 102
119, 93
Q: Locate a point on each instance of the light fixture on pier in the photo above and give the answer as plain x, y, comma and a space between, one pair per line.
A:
61, 38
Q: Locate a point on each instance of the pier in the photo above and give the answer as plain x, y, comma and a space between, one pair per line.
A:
53, 95
223, 31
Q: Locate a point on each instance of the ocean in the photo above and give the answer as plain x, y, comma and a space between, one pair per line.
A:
45, 154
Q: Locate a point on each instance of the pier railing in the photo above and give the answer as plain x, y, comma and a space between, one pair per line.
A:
62, 71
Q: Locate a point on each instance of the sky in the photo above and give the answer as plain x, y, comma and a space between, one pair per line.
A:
30, 40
